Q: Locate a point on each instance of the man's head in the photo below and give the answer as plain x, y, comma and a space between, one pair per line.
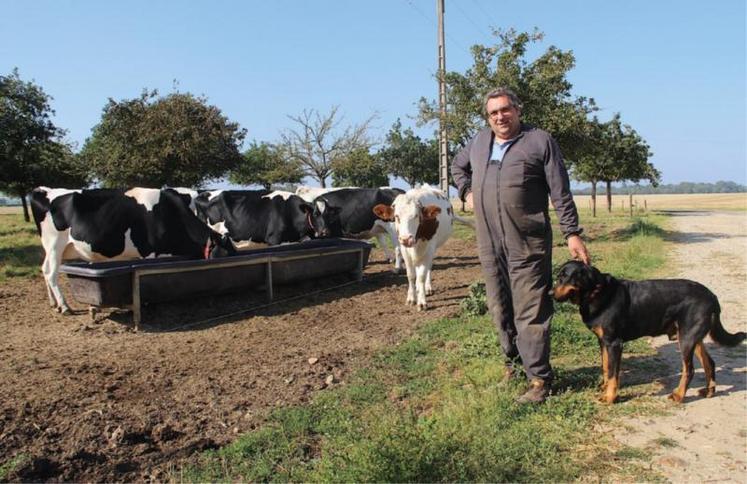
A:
503, 109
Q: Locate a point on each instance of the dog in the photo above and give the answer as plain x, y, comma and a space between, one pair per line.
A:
618, 310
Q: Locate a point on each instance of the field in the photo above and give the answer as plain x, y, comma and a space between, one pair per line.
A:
701, 201
346, 384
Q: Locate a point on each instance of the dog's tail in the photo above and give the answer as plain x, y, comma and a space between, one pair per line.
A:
720, 335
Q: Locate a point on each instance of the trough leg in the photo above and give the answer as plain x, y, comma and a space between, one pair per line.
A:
268, 281
136, 315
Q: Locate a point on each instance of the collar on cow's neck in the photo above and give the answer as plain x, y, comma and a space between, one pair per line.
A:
311, 224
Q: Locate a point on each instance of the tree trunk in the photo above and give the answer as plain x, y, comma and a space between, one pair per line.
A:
594, 198
609, 196
25, 207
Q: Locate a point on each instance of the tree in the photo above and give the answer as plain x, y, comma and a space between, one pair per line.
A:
541, 85
31, 148
616, 153
152, 141
409, 157
267, 165
360, 169
317, 145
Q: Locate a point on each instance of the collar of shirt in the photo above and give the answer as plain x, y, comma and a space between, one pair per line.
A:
498, 150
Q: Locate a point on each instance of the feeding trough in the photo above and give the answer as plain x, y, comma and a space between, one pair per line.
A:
134, 282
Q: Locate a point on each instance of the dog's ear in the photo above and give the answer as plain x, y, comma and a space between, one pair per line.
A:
596, 276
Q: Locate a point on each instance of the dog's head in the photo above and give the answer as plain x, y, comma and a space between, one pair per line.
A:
575, 280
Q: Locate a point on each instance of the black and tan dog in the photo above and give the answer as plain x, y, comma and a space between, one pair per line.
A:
618, 310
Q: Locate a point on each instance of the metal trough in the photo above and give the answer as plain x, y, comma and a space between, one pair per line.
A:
131, 283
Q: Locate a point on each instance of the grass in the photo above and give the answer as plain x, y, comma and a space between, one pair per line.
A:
21, 253
434, 407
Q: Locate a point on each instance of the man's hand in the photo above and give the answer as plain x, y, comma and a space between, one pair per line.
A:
468, 202
578, 249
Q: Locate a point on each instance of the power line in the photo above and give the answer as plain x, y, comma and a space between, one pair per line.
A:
434, 24
469, 19
486, 13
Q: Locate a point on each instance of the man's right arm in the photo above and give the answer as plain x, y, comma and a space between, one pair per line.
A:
461, 171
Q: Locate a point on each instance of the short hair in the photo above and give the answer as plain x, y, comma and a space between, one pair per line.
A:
502, 91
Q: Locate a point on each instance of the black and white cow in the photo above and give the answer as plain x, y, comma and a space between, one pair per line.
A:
348, 212
109, 224
259, 216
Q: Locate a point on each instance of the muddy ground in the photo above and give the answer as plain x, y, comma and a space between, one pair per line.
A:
94, 401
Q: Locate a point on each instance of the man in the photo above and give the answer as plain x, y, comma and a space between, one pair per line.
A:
505, 174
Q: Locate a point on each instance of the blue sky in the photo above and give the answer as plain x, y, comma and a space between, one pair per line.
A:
675, 70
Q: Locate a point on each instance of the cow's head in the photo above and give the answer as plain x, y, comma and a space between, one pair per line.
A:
412, 221
219, 246
323, 218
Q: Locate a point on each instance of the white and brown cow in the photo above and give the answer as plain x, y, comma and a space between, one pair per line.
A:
423, 218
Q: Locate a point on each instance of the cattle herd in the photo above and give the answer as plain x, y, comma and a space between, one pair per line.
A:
112, 224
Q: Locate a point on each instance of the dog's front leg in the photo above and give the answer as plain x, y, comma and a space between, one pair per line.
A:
605, 364
614, 359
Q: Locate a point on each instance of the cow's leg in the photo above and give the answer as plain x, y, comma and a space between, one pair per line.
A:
45, 273
410, 268
421, 271
52, 271
391, 230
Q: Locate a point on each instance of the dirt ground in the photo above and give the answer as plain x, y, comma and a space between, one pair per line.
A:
707, 438
93, 401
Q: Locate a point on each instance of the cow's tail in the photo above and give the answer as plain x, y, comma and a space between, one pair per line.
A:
464, 221
39, 206
720, 335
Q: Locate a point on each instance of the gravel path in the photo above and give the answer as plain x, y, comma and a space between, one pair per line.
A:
710, 434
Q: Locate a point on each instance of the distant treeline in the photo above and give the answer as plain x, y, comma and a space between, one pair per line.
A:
683, 187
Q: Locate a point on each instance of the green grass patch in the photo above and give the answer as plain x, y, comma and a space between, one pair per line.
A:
435, 408
21, 253
8, 467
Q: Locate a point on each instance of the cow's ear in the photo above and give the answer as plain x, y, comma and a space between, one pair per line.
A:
431, 211
384, 212
306, 208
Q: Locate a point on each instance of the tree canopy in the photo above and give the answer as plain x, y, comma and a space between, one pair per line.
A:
318, 143
32, 151
541, 84
616, 152
151, 141
409, 157
360, 169
265, 164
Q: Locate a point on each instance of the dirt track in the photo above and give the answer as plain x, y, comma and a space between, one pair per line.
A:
709, 435
92, 401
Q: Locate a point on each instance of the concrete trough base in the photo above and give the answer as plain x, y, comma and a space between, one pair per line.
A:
131, 283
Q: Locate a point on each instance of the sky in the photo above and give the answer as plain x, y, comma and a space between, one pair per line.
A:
674, 69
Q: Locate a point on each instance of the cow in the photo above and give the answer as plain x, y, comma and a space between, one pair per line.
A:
251, 217
311, 193
111, 224
423, 219
348, 212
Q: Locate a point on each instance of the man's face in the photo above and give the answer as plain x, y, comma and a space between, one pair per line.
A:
503, 117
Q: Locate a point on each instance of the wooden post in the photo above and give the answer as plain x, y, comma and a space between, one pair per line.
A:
645, 205
630, 197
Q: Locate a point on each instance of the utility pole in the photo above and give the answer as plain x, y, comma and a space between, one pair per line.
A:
443, 151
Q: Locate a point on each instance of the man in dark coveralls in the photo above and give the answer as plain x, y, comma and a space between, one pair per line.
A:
505, 174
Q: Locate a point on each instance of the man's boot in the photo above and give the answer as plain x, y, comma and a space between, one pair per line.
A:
537, 392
